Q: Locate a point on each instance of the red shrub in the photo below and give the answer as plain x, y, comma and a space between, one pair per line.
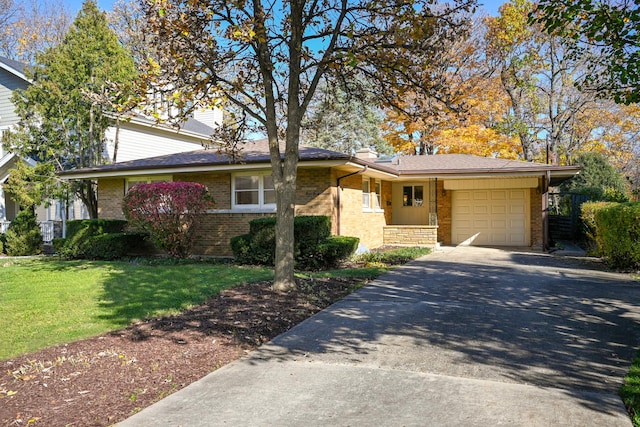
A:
169, 211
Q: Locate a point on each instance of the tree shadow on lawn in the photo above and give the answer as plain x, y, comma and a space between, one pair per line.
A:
139, 291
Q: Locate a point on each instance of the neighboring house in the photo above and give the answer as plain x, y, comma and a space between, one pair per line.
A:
409, 200
11, 78
137, 137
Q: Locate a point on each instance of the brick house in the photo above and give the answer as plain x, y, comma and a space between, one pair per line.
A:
408, 200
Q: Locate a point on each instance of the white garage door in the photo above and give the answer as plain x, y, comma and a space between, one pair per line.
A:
490, 217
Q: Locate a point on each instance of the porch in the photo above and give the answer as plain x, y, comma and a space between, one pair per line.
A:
47, 229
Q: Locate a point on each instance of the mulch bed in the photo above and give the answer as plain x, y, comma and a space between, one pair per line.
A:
103, 380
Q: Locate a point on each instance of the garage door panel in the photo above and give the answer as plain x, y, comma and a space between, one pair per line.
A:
498, 195
517, 194
490, 217
498, 209
481, 210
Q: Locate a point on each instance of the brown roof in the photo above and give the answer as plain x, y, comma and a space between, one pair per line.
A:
465, 164
251, 152
256, 152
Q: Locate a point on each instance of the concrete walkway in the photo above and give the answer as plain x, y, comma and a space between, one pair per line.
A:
465, 336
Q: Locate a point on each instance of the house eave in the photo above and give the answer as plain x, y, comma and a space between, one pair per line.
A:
190, 169
565, 173
15, 72
159, 126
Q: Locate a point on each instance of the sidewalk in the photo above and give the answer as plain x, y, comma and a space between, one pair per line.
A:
465, 336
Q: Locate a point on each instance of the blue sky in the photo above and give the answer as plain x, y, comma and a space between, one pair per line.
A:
491, 6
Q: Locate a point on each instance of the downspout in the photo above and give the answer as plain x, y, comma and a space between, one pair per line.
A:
338, 196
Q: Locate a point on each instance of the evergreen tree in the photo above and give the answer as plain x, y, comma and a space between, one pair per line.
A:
63, 113
344, 120
23, 236
597, 179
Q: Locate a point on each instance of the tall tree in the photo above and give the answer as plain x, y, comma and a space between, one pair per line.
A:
610, 27
512, 45
30, 27
415, 120
539, 75
60, 121
598, 179
127, 20
344, 119
7, 11
268, 58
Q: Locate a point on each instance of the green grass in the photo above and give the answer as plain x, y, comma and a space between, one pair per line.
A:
45, 302
393, 256
630, 391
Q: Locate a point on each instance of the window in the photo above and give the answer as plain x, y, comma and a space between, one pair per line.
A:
412, 195
253, 191
147, 180
366, 194
378, 199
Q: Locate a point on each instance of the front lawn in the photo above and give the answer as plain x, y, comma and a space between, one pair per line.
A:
45, 302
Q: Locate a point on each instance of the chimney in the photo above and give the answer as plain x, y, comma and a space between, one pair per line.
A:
366, 154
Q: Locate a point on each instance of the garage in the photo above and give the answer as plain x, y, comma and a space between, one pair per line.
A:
491, 217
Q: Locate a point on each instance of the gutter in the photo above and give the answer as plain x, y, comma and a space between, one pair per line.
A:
339, 189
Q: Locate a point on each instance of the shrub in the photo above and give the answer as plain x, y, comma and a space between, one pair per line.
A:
170, 212
98, 239
113, 246
588, 212
94, 227
394, 256
241, 248
333, 250
313, 246
58, 244
2, 240
262, 236
618, 234
23, 236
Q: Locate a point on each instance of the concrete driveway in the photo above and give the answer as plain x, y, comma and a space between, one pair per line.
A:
464, 336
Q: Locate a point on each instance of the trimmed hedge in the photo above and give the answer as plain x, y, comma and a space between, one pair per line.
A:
588, 217
618, 234
102, 239
314, 248
94, 227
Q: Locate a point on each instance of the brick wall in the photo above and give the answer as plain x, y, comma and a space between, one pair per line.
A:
354, 221
110, 194
444, 214
218, 229
536, 213
315, 195
218, 184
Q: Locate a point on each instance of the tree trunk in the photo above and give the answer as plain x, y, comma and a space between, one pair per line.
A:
116, 141
284, 279
89, 197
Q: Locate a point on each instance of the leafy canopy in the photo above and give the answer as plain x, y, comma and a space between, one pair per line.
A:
267, 58
598, 179
61, 121
608, 26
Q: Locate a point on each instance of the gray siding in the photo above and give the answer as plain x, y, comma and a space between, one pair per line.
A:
8, 83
